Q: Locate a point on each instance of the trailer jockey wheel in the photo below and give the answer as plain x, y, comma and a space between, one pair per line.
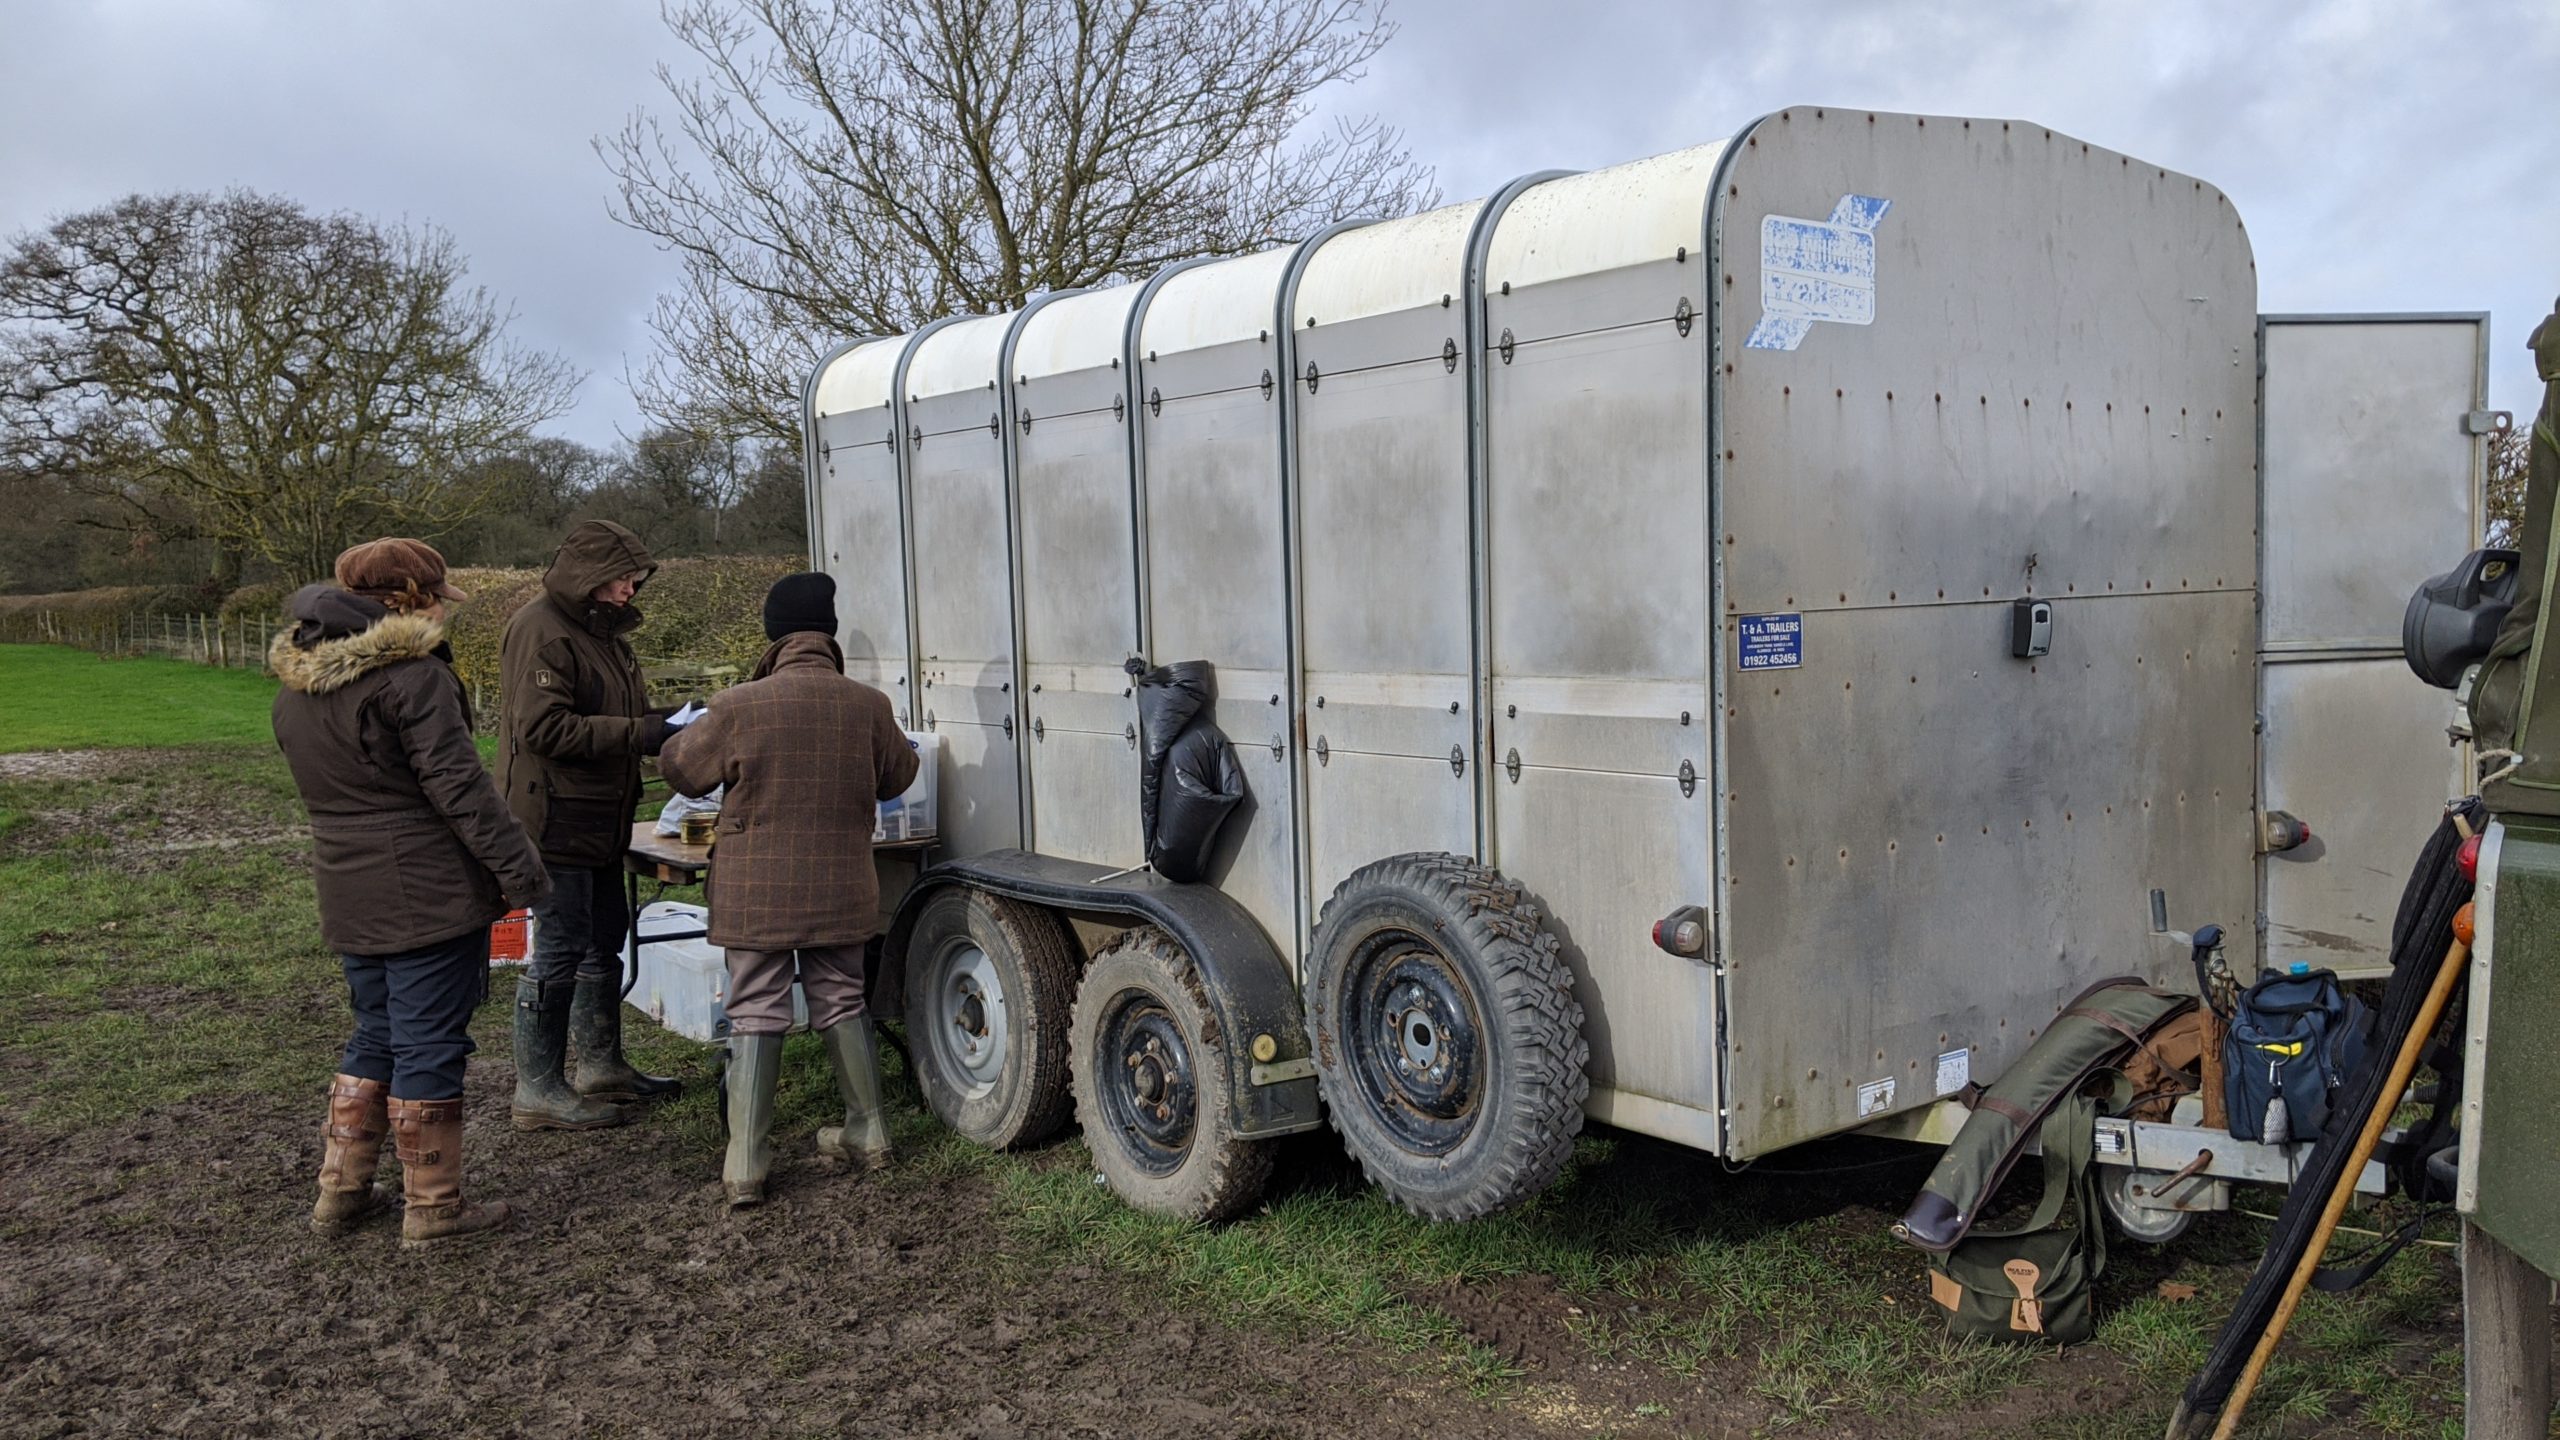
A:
2133, 1219
989, 981
1152, 1077
1447, 1039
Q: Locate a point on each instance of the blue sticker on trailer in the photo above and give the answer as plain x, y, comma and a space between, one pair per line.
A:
1769, 642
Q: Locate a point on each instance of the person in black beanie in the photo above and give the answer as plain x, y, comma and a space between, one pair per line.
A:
807, 754
806, 601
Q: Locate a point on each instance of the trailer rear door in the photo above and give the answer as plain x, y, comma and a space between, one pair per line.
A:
2370, 472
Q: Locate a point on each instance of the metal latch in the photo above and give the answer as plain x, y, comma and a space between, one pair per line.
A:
1506, 346
1449, 356
1457, 761
1314, 377
1688, 779
1324, 752
1511, 766
1683, 317
2488, 422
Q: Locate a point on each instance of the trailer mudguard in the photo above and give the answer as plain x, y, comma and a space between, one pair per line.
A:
2096, 1030
1251, 990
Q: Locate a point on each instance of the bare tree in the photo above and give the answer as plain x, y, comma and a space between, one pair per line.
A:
237, 368
2508, 454
849, 167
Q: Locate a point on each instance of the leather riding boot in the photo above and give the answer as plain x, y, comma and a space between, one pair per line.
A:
595, 1026
863, 1140
429, 1136
543, 1099
755, 1071
359, 1120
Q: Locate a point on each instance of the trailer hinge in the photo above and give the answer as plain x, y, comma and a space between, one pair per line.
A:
915, 437
1682, 317
1130, 734
928, 719
1506, 346
995, 423
1039, 729
1119, 409
1324, 752
1449, 355
1457, 762
1511, 766
1688, 779
1008, 727
1266, 384
2488, 422
1026, 422
1313, 375
1279, 747
1155, 398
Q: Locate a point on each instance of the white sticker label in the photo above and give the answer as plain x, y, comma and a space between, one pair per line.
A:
2109, 1141
1875, 1097
1817, 271
1955, 1071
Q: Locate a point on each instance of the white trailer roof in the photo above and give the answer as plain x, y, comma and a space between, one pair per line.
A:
859, 379
1215, 304
957, 357
1393, 265
1080, 332
1605, 219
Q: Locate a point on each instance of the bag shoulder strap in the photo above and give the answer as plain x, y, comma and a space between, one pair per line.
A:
2068, 1136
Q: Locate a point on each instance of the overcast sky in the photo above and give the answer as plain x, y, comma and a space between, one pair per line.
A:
2385, 154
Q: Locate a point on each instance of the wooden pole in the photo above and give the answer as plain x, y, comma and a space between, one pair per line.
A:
2506, 1342
2403, 1065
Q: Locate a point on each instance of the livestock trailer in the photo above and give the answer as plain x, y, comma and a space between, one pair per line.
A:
1725, 644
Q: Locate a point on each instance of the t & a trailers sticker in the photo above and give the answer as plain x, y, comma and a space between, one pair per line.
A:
1814, 270
1769, 642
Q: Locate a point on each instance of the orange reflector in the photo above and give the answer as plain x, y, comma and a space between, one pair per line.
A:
2462, 924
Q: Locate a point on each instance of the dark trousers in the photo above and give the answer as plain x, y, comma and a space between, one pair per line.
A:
413, 1015
577, 933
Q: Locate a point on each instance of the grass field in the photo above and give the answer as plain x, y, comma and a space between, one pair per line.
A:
159, 949
53, 697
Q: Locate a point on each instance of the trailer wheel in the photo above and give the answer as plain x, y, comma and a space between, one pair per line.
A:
989, 983
1448, 1043
1152, 1076
2133, 1219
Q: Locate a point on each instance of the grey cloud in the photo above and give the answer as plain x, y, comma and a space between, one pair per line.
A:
2384, 155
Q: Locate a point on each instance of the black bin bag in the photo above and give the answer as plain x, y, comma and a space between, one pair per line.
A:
1189, 781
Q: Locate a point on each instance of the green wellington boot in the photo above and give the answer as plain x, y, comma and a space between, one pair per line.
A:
543, 1099
755, 1071
595, 1027
863, 1140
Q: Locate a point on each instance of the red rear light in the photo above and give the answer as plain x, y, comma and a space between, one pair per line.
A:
2468, 857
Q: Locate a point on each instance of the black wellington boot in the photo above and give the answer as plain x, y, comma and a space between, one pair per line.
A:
543, 1099
595, 1026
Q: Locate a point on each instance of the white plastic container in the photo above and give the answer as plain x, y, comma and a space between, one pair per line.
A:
684, 984
916, 814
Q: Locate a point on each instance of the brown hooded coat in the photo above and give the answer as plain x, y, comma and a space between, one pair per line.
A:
574, 716
807, 755
410, 843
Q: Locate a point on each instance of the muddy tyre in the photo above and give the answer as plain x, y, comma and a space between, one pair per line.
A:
1152, 1075
1448, 1043
990, 982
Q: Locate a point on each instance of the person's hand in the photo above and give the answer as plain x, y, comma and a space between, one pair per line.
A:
541, 892
653, 732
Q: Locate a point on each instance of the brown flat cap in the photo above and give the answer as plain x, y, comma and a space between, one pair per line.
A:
384, 569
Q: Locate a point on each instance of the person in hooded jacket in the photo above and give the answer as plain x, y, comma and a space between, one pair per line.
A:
413, 855
807, 753
575, 722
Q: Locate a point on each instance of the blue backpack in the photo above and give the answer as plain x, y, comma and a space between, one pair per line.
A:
2293, 1039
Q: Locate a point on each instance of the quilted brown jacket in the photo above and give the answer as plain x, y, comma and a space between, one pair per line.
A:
807, 755
574, 712
410, 842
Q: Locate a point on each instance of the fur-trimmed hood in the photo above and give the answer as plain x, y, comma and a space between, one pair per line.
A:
324, 653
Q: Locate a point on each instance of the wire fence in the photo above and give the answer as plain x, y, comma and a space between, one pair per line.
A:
237, 643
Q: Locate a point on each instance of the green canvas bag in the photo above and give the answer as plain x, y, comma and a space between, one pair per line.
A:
2031, 1283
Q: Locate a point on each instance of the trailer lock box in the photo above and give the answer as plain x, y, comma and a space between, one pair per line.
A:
2030, 628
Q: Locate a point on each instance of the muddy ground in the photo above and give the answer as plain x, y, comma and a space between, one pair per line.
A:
161, 1278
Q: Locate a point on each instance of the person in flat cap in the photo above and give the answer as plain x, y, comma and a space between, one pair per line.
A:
414, 855
807, 754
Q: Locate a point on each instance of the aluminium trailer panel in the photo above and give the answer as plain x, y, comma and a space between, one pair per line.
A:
1971, 362
860, 512
1386, 573
1214, 565
2371, 483
961, 527
1597, 632
1076, 529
